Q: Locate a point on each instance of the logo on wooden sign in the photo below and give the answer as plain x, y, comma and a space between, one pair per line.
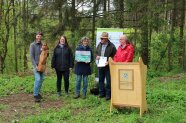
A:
126, 79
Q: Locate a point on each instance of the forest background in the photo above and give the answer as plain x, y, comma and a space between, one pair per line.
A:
158, 28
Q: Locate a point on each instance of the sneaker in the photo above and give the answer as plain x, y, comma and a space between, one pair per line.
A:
59, 94
66, 93
107, 98
37, 98
77, 96
39, 95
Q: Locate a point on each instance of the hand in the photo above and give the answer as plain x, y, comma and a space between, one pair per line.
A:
106, 63
97, 57
35, 68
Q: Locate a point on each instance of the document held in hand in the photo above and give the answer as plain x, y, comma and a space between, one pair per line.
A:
102, 61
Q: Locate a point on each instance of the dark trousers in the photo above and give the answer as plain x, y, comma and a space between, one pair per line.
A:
65, 74
104, 89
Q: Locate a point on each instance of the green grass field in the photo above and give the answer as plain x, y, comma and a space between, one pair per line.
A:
166, 103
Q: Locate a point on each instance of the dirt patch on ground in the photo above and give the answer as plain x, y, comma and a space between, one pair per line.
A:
172, 78
15, 107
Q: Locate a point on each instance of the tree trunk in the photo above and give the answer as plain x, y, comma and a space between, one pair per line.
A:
93, 23
25, 59
182, 42
60, 11
121, 13
15, 36
93, 30
108, 5
144, 45
4, 40
104, 5
144, 29
74, 25
104, 8
1, 17
165, 14
172, 38
25, 40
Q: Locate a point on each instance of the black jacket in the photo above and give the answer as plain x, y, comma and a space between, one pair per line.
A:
110, 50
62, 58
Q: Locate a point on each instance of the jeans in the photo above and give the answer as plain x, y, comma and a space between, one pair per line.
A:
104, 89
39, 77
78, 84
66, 80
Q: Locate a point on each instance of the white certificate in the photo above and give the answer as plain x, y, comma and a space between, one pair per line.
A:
102, 61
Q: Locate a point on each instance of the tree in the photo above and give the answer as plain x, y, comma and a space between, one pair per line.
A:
25, 26
172, 38
144, 29
15, 35
182, 41
5, 32
1, 36
119, 5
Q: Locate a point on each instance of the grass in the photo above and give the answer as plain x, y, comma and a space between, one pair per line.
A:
3, 107
166, 102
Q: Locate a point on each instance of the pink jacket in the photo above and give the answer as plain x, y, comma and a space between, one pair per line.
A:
124, 55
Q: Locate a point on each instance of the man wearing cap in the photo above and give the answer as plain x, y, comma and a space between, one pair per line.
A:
105, 49
35, 51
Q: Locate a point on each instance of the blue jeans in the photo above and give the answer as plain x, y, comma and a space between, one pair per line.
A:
104, 72
39, 77
78, 84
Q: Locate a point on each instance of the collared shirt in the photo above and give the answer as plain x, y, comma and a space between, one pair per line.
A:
110, 50
103, 48
123, 46
61, 45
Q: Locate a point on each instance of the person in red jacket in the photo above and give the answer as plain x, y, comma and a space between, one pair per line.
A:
125, 51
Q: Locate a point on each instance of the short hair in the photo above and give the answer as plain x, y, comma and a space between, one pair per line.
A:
84, 38
39, 33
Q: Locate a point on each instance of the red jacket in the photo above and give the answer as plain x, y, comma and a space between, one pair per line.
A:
124, 55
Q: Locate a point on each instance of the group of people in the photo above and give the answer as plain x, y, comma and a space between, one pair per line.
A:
63, 62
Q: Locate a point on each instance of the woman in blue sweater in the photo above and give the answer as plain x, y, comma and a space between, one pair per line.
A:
82, 68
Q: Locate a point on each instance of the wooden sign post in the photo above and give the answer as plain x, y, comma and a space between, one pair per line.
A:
128, 84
